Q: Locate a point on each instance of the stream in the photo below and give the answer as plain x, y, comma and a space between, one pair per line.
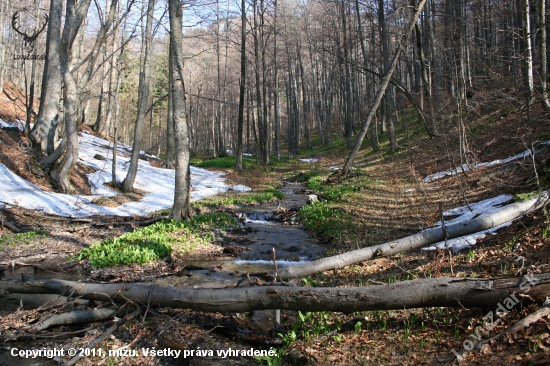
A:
263, 233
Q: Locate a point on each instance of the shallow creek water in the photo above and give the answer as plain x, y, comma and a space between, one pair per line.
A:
292, 245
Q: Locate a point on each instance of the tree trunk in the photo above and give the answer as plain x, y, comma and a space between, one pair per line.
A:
75, 15
219, 143
387, 108
423, 238
527, 52
242, 80
48, 113
365, 66
426, 80
72, 108
277, 104
169, 131
383, 85
543, 60
143, 98
182, 191
431, 292
3, 40
104, 128
30, 98
259, 62
113, 166
305, 102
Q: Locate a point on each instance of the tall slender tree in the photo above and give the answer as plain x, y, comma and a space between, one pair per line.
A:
143, 96
182, 192
242, 80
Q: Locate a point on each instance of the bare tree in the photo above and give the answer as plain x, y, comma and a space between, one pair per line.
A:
543, 59
3, 39
242, 80
75, 14
426, 79
143, 97
48, 113
182, 191
349, 162
527, 51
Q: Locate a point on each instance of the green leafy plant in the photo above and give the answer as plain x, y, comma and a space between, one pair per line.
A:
226, 162
545, 230
21, 238
274, 360
309, 282
155, 242
315, 183
242, 198
328, 221
526, 196
534, 345
358, 327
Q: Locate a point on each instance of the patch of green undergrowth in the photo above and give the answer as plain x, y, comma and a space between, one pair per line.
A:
327, 221
518, 197
315, 183
21, 238
245, 198
329, 218
156, 241
226, 162
337, 191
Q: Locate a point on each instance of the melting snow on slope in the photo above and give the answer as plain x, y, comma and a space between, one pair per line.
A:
466, 167
157, 182
309, 160
460, 214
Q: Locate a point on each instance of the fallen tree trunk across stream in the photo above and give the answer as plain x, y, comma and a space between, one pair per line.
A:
423, 238
432, 292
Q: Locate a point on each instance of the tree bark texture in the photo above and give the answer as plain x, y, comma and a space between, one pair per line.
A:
48, 113
432, 292
143, 98
182, 191
73, 20
242, 81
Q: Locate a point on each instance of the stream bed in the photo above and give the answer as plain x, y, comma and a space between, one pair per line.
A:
263, 234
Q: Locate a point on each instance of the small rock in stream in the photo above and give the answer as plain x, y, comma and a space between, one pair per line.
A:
311, 199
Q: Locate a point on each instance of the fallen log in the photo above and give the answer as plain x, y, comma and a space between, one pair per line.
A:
76, 316
423, 238
433, 292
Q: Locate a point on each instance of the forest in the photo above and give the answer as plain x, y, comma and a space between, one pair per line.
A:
274, 182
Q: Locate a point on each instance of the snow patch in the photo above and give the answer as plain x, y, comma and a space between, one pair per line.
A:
468, 241
465, 213
309, 160
466, 167
157, 182
18, 123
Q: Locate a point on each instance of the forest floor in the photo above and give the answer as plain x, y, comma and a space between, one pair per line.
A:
384, 198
